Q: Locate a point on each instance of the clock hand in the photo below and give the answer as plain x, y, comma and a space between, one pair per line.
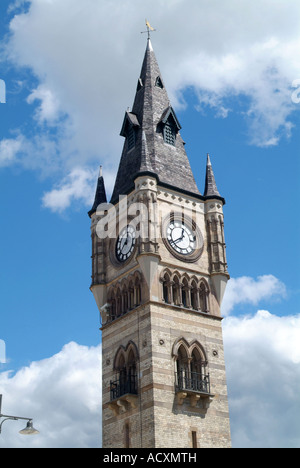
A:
175, 241
179, 238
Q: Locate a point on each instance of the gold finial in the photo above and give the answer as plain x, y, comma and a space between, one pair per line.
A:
149, 29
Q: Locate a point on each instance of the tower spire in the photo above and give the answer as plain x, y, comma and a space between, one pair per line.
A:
153, 120
210, 182
100, 195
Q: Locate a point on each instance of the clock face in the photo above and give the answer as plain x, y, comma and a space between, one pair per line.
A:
125, 243
181, 238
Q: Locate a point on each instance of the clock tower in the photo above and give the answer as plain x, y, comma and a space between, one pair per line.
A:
159, 273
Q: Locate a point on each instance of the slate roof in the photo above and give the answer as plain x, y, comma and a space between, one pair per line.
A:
151, 154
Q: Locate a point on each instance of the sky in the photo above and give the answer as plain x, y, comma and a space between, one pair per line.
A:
70, 69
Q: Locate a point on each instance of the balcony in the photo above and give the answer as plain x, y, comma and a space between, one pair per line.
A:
193, 385
123, 394
122, 386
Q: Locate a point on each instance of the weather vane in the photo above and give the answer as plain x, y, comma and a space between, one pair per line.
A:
149, 29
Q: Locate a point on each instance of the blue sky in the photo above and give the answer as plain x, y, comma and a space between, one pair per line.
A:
71, 69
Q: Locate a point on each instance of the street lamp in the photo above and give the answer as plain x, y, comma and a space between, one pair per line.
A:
28, 430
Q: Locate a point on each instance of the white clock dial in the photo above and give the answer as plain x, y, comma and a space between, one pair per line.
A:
181, 238
125, 243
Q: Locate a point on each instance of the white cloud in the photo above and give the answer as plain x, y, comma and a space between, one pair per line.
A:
63, 396
78, 186
87, 70
247, 290
49, 104
262, 354
9, 150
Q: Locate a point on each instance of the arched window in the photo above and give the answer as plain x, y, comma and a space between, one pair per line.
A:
124, 299
138, 292
113, 306
185, 293
190, 367
194, 296
182, 367
125, 366
122, 373
132, 372
131, 296
166, 288
203, 298
118, 303
176, 291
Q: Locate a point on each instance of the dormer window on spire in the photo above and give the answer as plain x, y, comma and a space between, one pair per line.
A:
170, 125
169, 133
139, 85
130, 138
159, 83
129, 129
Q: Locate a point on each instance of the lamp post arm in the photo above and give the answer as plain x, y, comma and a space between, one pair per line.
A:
11, 418
16, 418
6, 417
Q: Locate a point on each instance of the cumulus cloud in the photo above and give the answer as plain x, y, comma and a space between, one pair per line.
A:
220, 50
63, 396
247, 290
77, 186
262, 354
48, 110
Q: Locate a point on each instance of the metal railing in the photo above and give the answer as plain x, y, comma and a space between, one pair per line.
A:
122, 386
192, 382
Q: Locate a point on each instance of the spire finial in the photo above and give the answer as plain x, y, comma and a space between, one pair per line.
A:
210, 182
149, 30
100, 171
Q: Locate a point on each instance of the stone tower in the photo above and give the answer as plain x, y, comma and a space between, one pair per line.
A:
159, 273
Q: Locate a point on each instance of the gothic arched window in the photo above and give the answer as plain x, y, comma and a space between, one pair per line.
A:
132, 371
190, 367
131, 296
124, 299
203, 298
182, 367
185, 293
176, 291
138, 292
194, 296
119, 303
166, 290
125, 366
113, 306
